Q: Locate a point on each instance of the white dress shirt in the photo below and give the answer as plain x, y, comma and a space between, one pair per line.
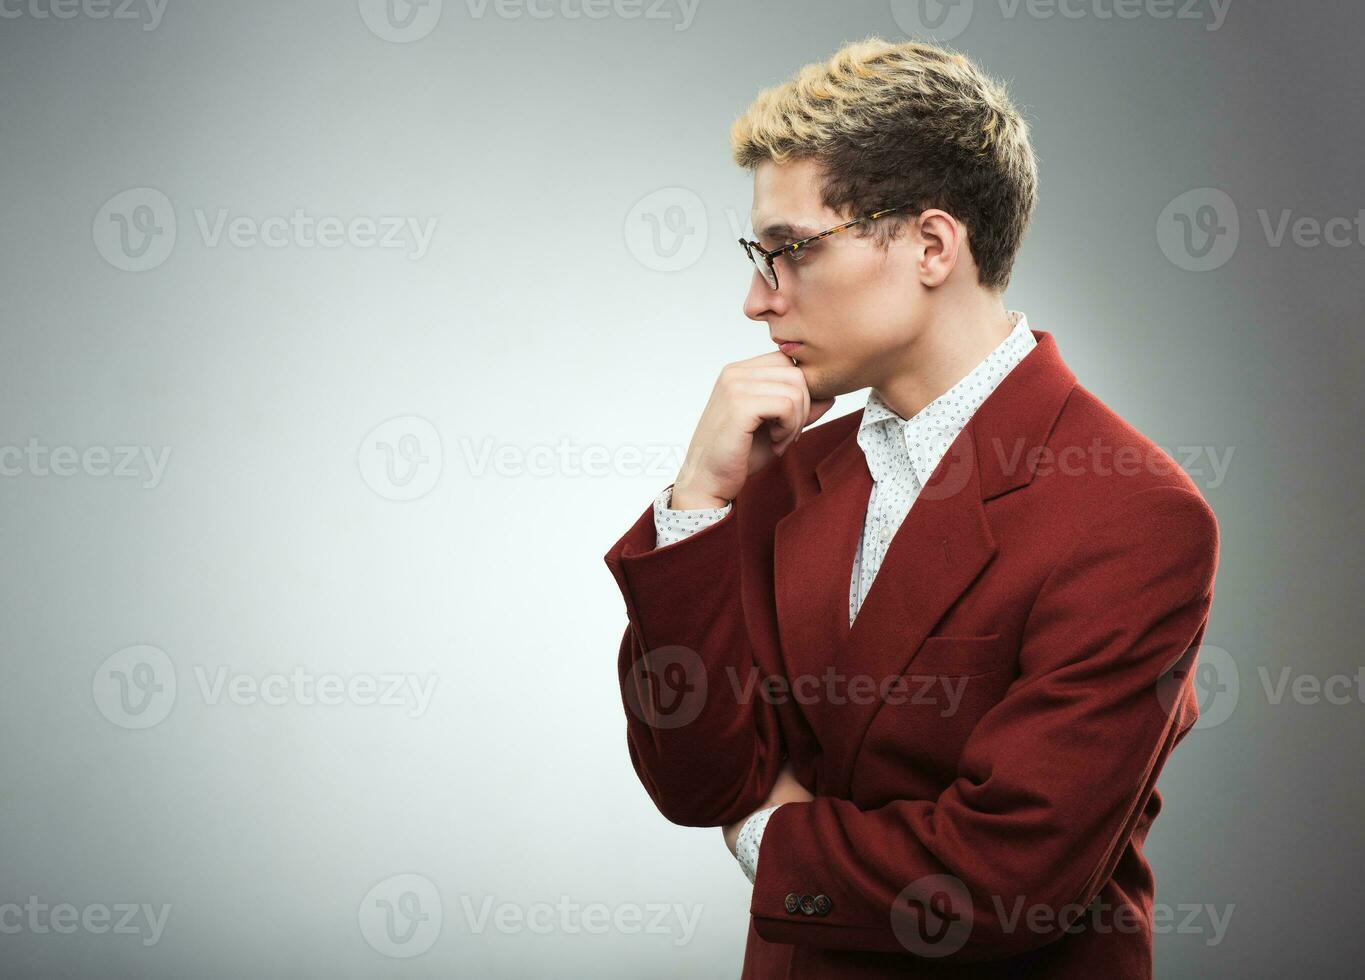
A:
901, 455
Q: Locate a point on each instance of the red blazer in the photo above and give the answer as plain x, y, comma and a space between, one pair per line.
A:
984, 742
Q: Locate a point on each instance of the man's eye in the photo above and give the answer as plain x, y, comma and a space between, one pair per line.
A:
797, 254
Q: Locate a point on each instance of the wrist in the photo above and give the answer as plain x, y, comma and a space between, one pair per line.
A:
751, 839
685, 498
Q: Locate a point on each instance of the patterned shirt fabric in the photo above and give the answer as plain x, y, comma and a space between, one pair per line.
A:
750, 837
671, 526
901, 456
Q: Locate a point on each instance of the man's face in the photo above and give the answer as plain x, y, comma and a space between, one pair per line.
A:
851, 305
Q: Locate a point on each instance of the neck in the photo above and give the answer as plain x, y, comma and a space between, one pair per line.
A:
944, 352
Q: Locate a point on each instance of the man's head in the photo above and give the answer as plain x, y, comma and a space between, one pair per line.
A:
878, 126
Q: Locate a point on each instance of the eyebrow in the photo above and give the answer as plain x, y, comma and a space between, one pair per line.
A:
786, 230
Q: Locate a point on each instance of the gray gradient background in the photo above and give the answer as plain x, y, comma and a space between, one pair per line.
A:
536, 317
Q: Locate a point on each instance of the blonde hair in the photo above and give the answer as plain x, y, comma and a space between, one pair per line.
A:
897, 123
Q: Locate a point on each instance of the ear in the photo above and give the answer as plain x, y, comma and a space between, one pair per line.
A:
941, 237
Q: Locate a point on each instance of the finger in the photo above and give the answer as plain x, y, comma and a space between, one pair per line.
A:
772, 372
759, 388
772, 357
777, 411
818, 408
804, 418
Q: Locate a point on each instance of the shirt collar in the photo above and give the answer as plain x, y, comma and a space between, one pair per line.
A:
935, 426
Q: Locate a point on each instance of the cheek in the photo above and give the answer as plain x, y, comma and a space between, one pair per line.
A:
858, 299
860, 268
881, 291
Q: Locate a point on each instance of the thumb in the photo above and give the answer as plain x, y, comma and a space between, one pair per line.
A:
818, 407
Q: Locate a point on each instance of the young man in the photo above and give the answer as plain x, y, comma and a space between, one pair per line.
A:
923, 662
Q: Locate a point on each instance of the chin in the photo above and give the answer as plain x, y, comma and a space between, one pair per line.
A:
820, 385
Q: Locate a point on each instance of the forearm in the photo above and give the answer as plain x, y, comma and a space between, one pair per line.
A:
704, 745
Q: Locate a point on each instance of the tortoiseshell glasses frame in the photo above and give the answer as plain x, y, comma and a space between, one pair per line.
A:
763, 259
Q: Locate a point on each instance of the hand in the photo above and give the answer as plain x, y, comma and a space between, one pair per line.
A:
757, 409
787, 789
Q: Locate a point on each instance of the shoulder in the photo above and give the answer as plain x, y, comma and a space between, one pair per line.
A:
1112, 475
1117, 455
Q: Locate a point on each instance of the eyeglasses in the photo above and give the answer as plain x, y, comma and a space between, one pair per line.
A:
763, 259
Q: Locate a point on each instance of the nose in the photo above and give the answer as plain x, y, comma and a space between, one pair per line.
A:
763, 302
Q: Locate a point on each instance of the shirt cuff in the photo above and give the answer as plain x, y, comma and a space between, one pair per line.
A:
750, 840
672, 526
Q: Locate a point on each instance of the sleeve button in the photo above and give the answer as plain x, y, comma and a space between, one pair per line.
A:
807, 905
791, 902
822, 905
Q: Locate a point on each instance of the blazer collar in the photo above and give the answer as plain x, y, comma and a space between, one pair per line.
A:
1018, 413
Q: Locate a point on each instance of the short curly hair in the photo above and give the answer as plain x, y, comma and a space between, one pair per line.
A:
904, 123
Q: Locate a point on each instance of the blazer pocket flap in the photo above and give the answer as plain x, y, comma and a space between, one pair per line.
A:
960, 656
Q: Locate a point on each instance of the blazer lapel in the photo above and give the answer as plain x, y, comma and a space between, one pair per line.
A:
938, 551
813, 550
943, 545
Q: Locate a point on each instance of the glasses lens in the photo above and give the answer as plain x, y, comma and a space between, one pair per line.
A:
768, 273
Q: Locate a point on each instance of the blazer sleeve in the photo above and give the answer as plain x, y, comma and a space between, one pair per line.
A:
1054, 777
704, 742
